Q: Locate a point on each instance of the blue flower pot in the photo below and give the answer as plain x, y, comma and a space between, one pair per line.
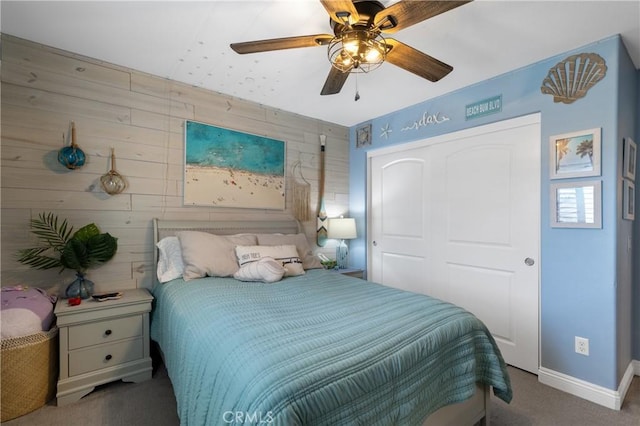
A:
80, 287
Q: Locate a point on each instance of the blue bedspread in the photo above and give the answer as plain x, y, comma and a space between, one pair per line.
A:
321, 349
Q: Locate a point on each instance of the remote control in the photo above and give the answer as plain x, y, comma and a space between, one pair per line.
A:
107, 296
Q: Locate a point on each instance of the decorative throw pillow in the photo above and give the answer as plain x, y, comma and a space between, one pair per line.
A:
211, 255
266, 269
170, 264
309, 260
286, 254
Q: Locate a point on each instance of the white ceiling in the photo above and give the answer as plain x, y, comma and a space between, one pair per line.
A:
189, 42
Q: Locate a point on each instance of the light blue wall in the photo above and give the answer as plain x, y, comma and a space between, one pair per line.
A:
627, 119
578, 266
636, 247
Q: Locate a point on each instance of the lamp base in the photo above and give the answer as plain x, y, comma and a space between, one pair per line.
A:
342, 255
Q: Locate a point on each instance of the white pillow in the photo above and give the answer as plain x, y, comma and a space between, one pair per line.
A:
266, 269
211, 255
309, 260
286, 254
170, 264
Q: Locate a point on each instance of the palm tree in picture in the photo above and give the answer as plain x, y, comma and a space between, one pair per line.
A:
585, 148
562, 148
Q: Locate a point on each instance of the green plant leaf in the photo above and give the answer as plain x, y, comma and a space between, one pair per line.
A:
102, 248
33, 257
53, 236
47, 230
84, 249
75, 256
86, 232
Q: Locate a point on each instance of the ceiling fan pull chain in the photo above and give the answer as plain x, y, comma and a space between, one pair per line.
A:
357, 93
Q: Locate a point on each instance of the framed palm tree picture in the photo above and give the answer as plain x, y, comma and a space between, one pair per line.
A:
575, 154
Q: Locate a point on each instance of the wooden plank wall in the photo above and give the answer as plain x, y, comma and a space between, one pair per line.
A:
142, 117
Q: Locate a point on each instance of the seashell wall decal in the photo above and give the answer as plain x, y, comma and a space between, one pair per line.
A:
570, 79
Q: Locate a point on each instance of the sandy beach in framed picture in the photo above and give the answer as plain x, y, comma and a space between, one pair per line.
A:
229, 168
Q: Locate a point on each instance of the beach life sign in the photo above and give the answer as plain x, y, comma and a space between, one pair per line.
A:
229, 168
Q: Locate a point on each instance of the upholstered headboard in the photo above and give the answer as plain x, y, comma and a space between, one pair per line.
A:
166, 228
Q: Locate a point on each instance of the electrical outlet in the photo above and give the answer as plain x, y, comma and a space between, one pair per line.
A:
582, 346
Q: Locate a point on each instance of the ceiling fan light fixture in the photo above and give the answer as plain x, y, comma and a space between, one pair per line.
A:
357, 45
357, 51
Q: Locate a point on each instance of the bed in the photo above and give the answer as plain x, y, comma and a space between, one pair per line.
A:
318, 348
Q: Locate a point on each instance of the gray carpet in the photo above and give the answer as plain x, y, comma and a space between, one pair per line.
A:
152, 403
537, 404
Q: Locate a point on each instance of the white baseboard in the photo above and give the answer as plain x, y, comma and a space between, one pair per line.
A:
585, 390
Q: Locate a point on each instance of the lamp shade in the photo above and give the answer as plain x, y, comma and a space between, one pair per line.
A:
343, 228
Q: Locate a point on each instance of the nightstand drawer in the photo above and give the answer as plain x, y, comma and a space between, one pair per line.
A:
95, 333
86, 360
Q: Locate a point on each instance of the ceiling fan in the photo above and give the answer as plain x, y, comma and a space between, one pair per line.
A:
358, 44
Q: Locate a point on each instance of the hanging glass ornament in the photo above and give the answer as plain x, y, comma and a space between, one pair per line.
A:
72, 157
112, 182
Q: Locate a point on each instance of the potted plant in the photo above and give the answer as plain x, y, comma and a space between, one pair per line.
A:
81, 250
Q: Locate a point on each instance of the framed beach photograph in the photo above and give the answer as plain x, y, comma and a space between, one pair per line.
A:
576, 204
628, 200
228, 168
630, 153
575, 154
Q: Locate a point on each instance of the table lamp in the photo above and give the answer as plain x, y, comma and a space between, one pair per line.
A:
342, 228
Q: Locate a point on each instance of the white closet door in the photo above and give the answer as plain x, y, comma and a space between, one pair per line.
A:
471, 227
400, 248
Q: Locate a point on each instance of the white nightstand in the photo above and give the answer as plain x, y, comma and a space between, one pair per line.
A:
352, 272
102, 342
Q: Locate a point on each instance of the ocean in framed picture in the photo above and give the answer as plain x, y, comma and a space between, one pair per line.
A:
228, 168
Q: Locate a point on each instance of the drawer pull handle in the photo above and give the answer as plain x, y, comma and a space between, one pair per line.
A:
108, 332
108, 357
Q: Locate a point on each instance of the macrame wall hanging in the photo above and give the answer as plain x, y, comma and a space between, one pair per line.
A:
301, 194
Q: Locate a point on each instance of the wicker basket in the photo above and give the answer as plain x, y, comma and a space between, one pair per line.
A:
29, 373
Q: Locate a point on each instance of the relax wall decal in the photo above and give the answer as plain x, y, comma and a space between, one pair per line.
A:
426, 120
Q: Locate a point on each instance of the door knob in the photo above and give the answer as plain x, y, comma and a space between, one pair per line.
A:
529, 261
375, 243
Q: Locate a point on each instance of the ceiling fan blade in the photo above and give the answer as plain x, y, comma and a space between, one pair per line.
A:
335, 81
341, 11
281, 43
409, 12
414, 61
